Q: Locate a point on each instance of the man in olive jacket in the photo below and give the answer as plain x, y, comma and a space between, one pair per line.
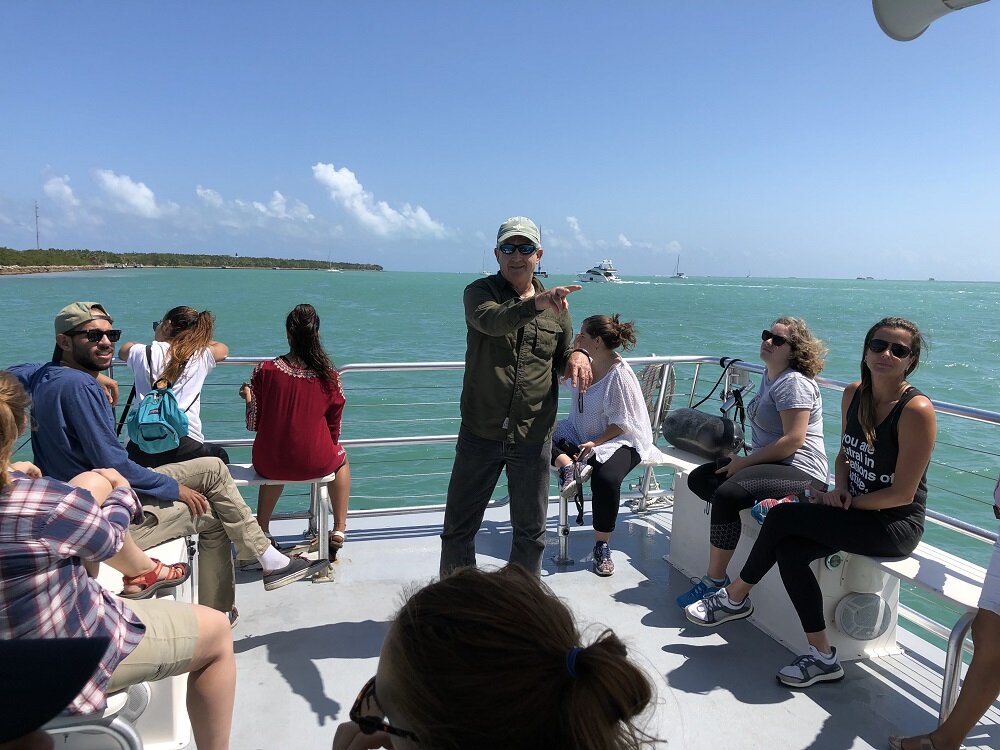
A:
519, 340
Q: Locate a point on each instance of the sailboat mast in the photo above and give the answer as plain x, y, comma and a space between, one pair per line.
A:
38, 245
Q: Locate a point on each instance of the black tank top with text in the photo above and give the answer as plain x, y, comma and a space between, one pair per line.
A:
873, 469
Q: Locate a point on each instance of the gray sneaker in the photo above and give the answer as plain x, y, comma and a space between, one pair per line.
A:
809, 669
716, 609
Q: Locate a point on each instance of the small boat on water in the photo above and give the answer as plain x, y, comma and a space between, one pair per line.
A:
603, 273
678, 273
540, 273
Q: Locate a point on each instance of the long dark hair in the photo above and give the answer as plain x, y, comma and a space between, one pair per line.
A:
866, 403
302, 327
192, 331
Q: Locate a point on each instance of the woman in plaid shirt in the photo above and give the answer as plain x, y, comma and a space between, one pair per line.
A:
47, 529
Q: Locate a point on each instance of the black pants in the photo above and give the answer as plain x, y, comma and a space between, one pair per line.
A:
606, 485
188, 449
795, 534
743, 490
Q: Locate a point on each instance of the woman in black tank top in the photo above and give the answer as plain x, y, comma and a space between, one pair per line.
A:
875, 508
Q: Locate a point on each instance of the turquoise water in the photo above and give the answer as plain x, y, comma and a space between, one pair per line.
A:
397, 317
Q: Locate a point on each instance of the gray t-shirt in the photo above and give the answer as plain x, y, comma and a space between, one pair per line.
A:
790, 390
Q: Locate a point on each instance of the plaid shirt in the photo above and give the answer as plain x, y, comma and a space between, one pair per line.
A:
46, 527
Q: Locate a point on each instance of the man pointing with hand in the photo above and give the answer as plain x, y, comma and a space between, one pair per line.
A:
519, 341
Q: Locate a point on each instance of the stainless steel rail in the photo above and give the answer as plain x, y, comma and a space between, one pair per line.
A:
648, 486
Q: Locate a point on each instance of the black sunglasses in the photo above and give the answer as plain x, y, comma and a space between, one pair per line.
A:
877, 346
372, 724
508, 249
94, 336
774, 338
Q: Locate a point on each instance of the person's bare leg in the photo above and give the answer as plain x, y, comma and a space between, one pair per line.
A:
37, 740
267, 500
819, 641
212, 681
130, 560
718, 561
340, 495
979, 689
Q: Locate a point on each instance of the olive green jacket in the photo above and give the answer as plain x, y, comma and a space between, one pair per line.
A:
513, 359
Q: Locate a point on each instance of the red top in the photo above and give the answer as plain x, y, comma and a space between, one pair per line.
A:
297, 422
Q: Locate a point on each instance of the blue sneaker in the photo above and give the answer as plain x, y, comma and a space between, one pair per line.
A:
702, 588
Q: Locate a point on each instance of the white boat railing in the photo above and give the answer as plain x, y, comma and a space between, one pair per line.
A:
436, 402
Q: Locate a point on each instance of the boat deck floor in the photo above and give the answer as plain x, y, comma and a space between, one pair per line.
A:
304, 651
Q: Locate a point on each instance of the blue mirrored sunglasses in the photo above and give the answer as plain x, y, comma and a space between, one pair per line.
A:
508, 249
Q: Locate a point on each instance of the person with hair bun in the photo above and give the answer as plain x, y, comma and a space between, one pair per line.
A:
607, 432
295, 404
876, 507
182, 353
494, 660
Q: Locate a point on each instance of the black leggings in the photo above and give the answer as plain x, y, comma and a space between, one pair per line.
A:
743, 490
795, 534
188, 449
606, 485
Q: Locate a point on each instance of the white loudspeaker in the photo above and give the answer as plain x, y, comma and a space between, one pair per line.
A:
905, 20
864, 617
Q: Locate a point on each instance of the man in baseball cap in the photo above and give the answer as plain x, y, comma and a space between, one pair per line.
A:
519, 339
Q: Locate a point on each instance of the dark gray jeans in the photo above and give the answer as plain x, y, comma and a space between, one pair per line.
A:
478, 463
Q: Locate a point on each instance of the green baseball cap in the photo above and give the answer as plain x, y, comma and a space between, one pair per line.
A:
519, 225
78, 313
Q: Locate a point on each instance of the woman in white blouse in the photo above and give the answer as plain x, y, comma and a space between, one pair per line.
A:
608, 426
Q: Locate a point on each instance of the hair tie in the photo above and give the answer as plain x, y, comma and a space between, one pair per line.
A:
571, 660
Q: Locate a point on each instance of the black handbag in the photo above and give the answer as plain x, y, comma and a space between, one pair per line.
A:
703, 434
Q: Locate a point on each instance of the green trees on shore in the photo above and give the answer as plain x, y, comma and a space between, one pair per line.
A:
54, 257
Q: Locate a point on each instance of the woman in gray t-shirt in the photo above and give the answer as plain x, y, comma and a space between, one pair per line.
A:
787, 456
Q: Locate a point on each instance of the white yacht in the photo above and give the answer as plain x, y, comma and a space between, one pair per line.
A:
603, 273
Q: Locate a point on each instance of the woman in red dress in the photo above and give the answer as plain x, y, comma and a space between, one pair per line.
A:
295, 404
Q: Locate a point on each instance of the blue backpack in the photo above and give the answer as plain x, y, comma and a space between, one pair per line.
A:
157, 424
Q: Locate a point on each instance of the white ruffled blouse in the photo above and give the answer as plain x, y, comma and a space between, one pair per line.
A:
614, 399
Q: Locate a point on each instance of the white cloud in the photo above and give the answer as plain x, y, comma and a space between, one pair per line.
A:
624, 241
578, 235
209, 196
130, 197
377, 216
278, 208
58, 189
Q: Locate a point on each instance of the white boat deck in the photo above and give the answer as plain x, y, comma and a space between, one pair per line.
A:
304, 651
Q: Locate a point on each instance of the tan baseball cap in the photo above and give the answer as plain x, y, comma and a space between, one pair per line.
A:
519, 225
78, 313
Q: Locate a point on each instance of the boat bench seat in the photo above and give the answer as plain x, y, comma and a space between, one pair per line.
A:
319, 503
163, 722
843, 578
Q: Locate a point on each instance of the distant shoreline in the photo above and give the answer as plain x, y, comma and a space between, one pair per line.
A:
25, 270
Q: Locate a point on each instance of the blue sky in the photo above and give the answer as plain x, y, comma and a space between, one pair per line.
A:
781, 138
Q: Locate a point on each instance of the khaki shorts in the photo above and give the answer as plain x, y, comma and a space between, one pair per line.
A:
166, 648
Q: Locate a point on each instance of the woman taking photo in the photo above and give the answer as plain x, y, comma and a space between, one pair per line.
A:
608, 426
876, 507
491, 661
295, 404
182, 354
787, 456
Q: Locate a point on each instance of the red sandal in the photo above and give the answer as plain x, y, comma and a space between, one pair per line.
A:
149, 583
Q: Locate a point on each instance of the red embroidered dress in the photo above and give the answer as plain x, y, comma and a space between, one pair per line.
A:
297, 421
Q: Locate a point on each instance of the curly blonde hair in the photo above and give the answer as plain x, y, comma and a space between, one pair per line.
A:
808, 352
